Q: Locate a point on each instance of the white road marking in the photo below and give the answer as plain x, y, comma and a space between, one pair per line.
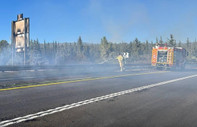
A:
85, 102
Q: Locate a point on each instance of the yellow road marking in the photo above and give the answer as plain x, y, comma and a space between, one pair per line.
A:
80, 80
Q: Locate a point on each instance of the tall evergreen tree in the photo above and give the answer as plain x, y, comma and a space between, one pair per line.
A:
189, 48
172, 41
157, 41
160, 41
105, 48
180, 44
79, 45
3, 44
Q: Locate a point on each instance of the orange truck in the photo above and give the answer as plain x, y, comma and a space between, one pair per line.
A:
164, 57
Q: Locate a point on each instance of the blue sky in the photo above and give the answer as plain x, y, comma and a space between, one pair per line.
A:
118, 20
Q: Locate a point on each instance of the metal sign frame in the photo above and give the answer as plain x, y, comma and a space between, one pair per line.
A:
20, 35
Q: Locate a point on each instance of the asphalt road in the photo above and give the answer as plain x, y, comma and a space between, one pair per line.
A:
172, 104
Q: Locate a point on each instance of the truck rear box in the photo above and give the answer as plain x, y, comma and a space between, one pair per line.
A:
168, 57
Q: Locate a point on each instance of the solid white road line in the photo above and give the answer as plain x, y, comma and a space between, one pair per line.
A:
85, 102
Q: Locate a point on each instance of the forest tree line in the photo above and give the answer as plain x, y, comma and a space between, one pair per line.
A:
54, 53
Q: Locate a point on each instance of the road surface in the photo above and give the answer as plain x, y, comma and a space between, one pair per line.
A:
170, 99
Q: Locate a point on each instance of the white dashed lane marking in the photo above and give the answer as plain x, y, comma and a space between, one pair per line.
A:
85, 102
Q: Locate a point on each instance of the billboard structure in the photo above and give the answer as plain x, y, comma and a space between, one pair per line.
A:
20, 36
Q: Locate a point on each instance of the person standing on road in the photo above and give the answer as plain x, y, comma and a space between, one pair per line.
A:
120, 60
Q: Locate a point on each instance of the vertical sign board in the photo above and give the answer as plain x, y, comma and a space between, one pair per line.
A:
20, 35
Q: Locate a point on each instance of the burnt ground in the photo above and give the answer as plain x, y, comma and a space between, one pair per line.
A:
32, 77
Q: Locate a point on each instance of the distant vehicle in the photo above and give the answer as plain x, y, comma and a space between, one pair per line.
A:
164, 57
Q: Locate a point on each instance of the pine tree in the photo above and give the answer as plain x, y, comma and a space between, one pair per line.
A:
172, 41
4, 54
3, 44
136, 47
79, 45
147, 47
180, 44
161, 41
189, 48
157, 41
105, 48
